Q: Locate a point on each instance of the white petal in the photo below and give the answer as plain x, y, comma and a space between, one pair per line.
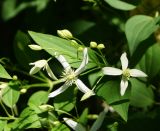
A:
74, 125
123, 86
137, 73
59, 90
39, 63
63, 61
97, 124
34, 70
111, 71
124, 61
87, 95
50, 73
81, 86
84, 62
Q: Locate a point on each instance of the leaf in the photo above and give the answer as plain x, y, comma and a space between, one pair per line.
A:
10, 94
2, 125
3, 73
110, 92
139, 28
28, 119
39, 98
150, 60
11, 8
65, 101
53, 44
121, 5
23, 53
141, 95
83, 118
60, 127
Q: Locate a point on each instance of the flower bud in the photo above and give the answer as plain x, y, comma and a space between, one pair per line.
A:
74, 43
15, 77
23, 91
65, 34
80, 48
100, 46
93, 44
35, 47
46, 107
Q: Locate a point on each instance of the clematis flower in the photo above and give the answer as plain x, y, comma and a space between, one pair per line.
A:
38, 65
125, 72
71, 76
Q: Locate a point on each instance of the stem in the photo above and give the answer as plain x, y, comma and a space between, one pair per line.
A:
78, 40
5, 109
97, 82
65, 113
103, 57
89, 71
36, 85
8, 118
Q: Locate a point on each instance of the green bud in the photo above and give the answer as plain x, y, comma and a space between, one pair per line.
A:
100, 46
15, 78
74, 43
93, 44
35, 47
65, 34
80, 48
46, 107
23, 91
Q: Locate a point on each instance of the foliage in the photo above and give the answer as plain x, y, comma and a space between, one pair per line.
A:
91, 65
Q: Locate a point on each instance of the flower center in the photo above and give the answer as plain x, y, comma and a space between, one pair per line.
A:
126, 73
70, 76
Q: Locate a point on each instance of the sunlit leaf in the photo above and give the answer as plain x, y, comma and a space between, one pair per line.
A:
118, 4
139, 28
3, 73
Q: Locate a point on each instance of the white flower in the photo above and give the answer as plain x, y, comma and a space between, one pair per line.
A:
125, 72
38, 65
71, 76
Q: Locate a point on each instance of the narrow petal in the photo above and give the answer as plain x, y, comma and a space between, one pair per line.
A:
87, 95
124, 61
59, 90
63, 61
50, 73
74, 125
84, 62
34, 70
82, 87
123, 86
137, 73
111, 71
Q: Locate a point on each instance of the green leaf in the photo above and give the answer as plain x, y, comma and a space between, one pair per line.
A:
10, 94
60, 127
120, 5
150, 61
141, 95
53, 44
39, 98
110, 92
139, 28
83, 118
28, 119
3, 73
23, 53
2, 125
11, 8
65, 101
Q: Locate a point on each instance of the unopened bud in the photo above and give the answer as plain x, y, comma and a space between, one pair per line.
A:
80, 48
65, 34
46, 107
35, 47
15, 77
74, 43
93, 44
100, 46
23, 91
